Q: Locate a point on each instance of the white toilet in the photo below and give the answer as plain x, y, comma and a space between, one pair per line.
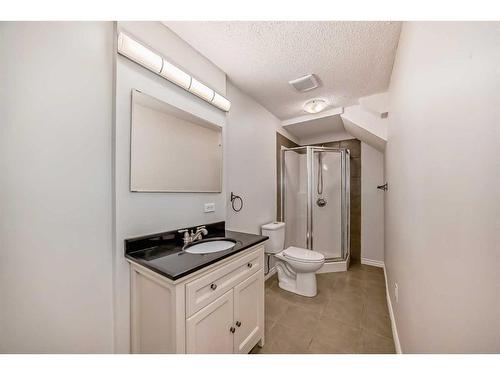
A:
296, 266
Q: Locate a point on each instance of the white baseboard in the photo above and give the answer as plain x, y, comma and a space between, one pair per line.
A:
270, 274
371, 262
395, 336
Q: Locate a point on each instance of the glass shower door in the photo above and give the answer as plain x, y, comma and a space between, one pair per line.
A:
326, 202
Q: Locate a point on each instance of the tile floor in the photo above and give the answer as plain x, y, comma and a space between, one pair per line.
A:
349, 315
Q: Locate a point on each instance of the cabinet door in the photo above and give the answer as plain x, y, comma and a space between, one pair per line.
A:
209, 330
249, 312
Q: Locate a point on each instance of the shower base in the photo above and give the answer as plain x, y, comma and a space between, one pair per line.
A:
335, 266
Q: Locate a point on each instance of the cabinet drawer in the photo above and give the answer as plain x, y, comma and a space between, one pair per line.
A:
202, 291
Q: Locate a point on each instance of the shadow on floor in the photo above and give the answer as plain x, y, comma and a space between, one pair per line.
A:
349, 315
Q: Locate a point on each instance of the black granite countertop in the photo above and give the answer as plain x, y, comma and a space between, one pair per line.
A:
162, 252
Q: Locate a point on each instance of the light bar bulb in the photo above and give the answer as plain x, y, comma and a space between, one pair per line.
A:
199, 89
175, 75
139, 53
220, 102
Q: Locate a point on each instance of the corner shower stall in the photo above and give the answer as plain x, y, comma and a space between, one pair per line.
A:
315, 196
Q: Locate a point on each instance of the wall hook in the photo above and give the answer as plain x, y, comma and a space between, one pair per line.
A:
383, 187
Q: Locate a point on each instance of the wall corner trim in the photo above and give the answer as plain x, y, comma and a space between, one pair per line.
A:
395, 335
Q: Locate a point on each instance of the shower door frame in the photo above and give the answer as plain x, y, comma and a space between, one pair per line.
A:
345, 210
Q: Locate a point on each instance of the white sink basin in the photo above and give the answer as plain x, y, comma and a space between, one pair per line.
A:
210, 247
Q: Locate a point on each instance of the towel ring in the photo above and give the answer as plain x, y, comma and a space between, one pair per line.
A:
235, 197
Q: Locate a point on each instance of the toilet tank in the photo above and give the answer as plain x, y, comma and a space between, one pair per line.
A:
276, 233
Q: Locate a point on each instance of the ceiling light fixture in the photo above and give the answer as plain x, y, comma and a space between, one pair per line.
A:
315, 105
149, 59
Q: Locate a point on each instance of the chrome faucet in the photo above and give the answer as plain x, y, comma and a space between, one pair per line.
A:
198, 235
194, 236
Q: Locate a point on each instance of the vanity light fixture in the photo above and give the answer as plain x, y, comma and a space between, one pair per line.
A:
135, 51
315, 105
200, 90
221, 102
175, 75
149, 59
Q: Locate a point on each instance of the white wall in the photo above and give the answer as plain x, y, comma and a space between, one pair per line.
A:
366, 126
55, 187
442, 207
372, 205
144, 213
251, 161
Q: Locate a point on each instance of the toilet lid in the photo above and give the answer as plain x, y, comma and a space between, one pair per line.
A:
303, 255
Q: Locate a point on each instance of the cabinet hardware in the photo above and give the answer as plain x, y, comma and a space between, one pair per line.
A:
213, 286
249, 265
238, 324
232, 329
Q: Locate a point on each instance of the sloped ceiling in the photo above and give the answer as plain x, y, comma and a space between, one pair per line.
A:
351, 59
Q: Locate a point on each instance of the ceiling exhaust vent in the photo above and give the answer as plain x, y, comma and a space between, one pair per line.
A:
305, 83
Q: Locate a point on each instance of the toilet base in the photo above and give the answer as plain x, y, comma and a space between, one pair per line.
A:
303, 284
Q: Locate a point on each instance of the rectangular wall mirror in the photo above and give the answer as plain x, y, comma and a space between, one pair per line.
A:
173, 150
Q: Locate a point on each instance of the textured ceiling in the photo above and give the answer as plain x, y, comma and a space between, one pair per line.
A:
351, 59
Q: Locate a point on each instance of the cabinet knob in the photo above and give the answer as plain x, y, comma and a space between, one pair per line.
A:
213, 286
232, 329
238, 324
249, 265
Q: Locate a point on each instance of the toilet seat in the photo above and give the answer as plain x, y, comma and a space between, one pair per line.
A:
303, 255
